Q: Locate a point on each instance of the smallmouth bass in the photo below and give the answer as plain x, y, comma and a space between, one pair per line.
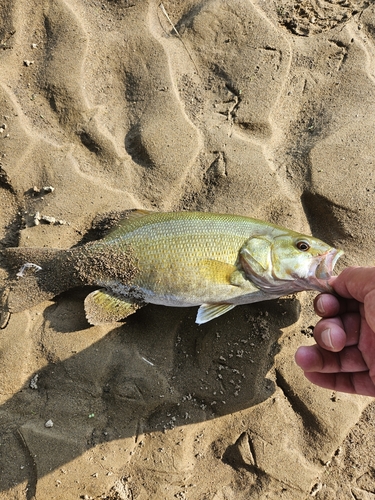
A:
180, 259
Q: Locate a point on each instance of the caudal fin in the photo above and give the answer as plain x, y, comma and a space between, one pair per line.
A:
36, 274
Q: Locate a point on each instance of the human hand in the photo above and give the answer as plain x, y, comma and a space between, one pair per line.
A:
343, 358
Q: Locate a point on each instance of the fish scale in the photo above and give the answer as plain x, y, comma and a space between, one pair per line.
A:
171, 248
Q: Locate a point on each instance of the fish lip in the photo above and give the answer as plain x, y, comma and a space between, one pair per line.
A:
336, 256
324, 269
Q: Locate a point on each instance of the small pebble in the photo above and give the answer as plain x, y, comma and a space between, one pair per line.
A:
48, 424
28, 63
47, 218
44, 189
37, 218
33, 382
315, 489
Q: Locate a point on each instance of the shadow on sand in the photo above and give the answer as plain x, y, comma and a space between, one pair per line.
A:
159, 370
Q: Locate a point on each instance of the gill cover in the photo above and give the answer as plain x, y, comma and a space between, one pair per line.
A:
256, 257
262, 266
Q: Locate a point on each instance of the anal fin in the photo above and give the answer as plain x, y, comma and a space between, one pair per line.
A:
207, 312
101, 306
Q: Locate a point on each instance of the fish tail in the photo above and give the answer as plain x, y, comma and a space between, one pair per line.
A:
36, 274
17, 256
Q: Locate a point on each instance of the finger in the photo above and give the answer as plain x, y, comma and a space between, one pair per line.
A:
315, 359
337, 332
354, 282
328, 305
352, 326
352, 383
369, 308
366, 344
330, 334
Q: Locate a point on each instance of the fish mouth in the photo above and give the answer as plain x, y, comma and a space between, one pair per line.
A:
324, 269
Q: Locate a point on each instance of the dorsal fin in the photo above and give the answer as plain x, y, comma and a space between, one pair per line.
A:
137, 213
124, 220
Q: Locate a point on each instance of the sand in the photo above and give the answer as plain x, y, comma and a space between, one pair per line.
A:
259, 108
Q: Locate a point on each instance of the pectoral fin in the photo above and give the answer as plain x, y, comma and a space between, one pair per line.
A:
207, 312
102, 306
216, 271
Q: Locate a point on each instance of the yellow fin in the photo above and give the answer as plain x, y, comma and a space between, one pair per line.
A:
207, 312
238, 278
216, 271
102, 306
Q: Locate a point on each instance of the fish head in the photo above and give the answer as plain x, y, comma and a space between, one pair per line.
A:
288, 262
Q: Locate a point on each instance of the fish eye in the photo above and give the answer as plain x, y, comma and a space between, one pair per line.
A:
303, 246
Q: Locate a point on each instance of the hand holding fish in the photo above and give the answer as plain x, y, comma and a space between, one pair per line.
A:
344, 357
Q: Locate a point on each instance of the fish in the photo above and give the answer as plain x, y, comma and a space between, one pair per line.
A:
178, 259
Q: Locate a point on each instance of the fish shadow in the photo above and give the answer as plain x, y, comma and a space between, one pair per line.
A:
157, 371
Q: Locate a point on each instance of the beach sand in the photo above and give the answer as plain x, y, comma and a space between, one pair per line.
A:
244, 106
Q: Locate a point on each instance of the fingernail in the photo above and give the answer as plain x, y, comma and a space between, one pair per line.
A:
326, 338
320, 306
